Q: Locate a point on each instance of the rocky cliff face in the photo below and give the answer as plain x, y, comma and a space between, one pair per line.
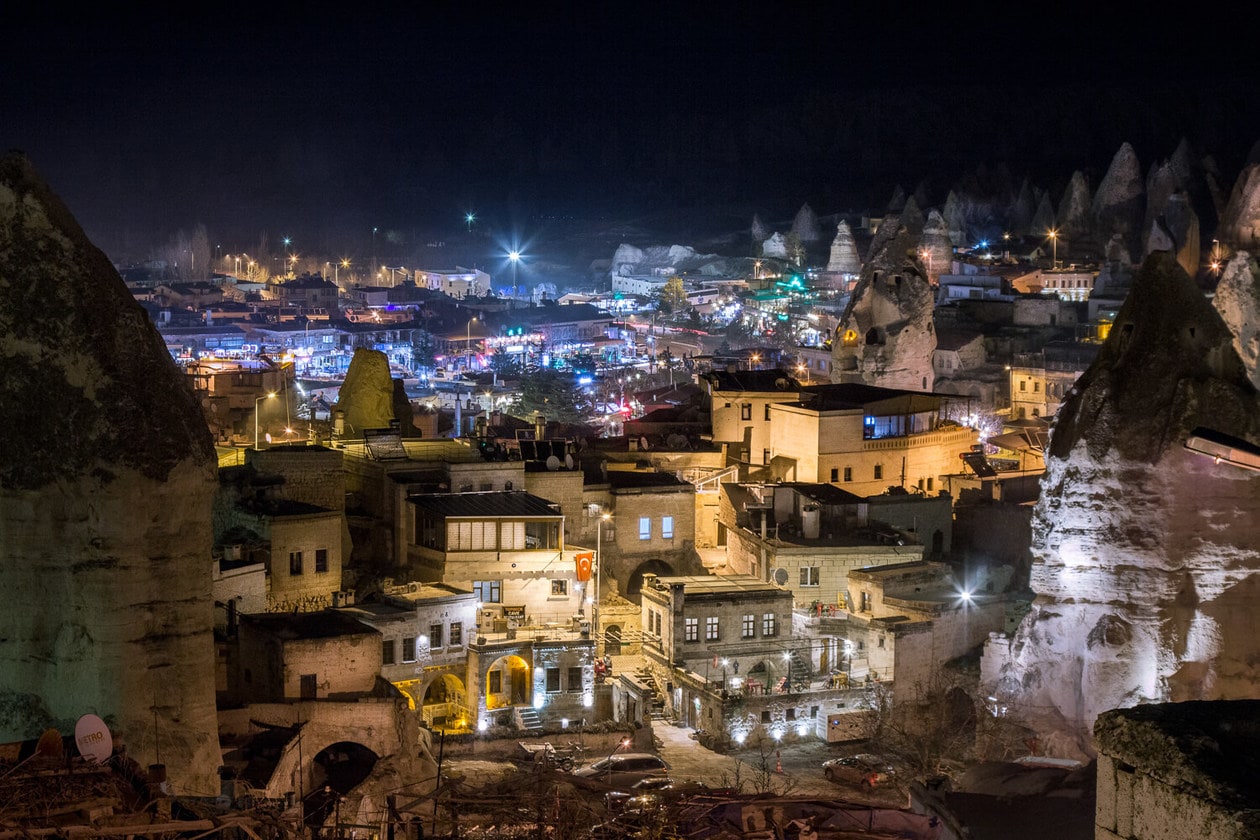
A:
1146, 556
105, 496
936, 251
1237, 299
1240, 222
886, 336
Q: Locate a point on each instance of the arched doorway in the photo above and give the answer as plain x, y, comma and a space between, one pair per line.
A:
445, 704
612, 639
507, 683
651, 567
336, 770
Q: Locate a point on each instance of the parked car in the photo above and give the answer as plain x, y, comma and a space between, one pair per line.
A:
864, 769
622, 771
654, 790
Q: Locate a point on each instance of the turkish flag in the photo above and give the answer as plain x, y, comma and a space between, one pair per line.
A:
584, 561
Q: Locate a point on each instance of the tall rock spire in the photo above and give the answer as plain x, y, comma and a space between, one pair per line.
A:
1146, 555
105, 506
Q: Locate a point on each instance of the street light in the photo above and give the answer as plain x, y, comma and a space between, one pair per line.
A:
468, 343
469, 218
514, 257
599, 573
622, 744
257, 402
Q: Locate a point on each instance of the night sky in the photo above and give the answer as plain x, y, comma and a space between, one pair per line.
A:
321, 126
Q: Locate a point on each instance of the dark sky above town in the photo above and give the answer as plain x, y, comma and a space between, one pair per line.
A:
322, 126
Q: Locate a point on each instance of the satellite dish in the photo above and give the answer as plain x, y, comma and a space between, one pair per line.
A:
781, 577
643, 442
92, 737
49, 743
553, 463
568, 461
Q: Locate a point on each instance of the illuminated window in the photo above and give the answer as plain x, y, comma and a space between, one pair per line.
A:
711, 628
745, 411
809, 575
488, 591
749, 629
691, 629
667, 527
769, 626
559, 588
645, 527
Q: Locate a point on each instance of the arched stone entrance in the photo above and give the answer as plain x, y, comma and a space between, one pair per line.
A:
441, 700
634, 585
508, 683
612, 639
336, 770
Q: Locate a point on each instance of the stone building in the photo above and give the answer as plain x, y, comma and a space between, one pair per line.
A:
739, 405
866, 439
305, 656
425, 630
1178, 771
809, 536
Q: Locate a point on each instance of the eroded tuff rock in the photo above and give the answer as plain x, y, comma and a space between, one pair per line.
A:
805, 225
1237, 299
1119, 202
367, 395
886, 336
935, 248
1240, 222
104, 503
1175, 228
844, 256
1146, 556
1074, 219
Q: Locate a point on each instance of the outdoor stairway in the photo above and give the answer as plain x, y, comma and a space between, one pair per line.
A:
802, 673
529, 719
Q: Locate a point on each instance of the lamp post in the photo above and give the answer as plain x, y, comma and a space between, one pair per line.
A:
599, 573
514, 257
258, 402
468, 343
1054, 249
624, 742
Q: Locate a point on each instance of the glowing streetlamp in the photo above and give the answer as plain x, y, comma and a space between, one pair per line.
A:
514, 257
257, 403
469, 218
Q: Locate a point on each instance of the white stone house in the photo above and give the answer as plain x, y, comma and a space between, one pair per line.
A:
304, 656
425, 630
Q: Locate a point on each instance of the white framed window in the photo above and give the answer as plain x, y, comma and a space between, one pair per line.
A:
809, 575
559, 588
769, 626
711, 628
645, 527
488, 591
691, 629
667, 527
749, 629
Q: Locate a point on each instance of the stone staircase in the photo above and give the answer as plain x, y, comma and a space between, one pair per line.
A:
527, 719
802, 672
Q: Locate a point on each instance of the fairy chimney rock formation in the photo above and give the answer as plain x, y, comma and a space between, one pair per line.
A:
886, 336
844, 256
1119, 203
366, 398
105, 505
1146, 554
936, 250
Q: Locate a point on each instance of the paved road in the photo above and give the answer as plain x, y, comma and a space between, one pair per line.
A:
752, 769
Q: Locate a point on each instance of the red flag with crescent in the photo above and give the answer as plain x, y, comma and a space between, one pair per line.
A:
584, 560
